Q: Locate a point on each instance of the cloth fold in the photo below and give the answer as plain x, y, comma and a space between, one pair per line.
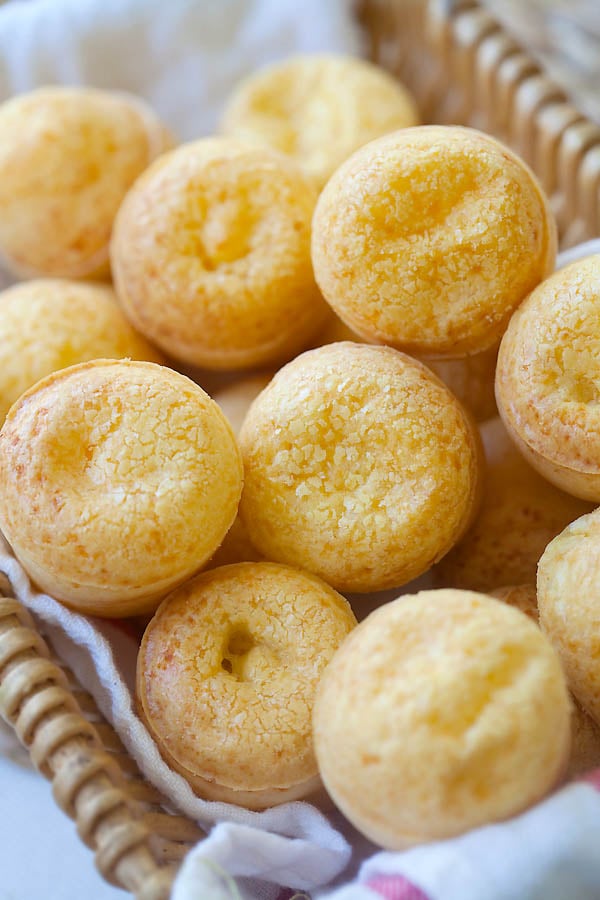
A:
102, 655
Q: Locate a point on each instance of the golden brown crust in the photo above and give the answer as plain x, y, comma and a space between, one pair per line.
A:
211, 255
547, 376
67, 158
569, 605
520, 513
441, 712
429, 238
119, 479
318, 109
49, 324
359, 465
227, 673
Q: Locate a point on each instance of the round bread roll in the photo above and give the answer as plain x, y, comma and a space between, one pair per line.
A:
569, 603
49, 324
119, 480
211, 255
318, 109
429, 238
68, 155
226, 679
519, 514
360, 466
548, 375
441, 712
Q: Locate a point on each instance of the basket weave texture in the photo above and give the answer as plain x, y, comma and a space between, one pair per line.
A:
463, 68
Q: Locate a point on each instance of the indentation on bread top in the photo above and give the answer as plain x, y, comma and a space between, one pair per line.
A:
428, 239
116, 475
359, 465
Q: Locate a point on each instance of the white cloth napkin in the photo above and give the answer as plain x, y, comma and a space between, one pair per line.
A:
183, 56
549, 853
303, 849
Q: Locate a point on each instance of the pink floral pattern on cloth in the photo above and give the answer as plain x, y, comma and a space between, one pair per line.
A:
395, 887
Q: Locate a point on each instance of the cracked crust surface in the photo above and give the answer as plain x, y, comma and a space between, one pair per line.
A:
49, 324
547, 378
359, 465
119, 479
429, 238
318, 109
67, 157
227, 673
471, 379
211, 255
441, 712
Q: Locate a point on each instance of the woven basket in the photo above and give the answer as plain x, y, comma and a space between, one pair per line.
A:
463, 68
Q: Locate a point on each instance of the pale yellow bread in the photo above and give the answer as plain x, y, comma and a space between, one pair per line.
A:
359, 466
548, 375
318, 109
569, 603
49, 324
520, 513
441, 712
428, 239
68, 155
585, 733
226, 678
118, 480
211, 255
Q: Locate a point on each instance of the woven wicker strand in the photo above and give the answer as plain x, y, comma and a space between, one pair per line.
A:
137, 844
464, 68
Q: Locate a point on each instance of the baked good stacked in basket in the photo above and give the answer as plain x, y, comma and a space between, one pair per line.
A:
284, 404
